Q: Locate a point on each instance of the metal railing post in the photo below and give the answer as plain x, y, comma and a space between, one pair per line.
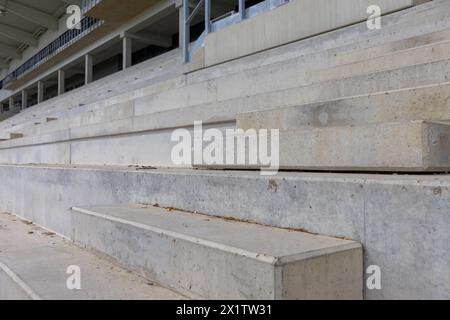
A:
207, 16
241, 9
186, 30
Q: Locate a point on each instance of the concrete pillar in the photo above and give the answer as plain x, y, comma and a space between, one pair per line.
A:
180, 23
88, 68
61, 82
127, 52
11, 103
40, 91
185, 31
24, 99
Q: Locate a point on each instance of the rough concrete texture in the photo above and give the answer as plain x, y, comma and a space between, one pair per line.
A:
418, 103
306, 18
417, 75
215, 258
414, 22
401, 220
397, 146
34, 264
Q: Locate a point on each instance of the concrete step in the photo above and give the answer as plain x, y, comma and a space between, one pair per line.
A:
416, 21
268, 95
366, 53
85, 122
301, 73
402, 146
112, 139
340, 37
206, 257
401, 220
418, 55
150, 126
420, 103
142, 75
34, 264
230, 44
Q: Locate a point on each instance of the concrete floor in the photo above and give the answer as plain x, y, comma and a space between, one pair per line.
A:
34, 265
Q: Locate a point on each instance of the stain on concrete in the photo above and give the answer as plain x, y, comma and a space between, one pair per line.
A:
273, 186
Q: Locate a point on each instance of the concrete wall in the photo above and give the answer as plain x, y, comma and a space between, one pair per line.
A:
294, 21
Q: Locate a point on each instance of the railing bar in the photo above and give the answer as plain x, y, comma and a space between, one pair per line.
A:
195, 11
207, 16
241, 9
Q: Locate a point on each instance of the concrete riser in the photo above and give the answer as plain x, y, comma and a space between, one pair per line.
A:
425, 103
199, 271
404, 146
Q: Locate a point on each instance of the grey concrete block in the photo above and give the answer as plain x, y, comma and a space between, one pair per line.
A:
399, 146
207, 257
418, 103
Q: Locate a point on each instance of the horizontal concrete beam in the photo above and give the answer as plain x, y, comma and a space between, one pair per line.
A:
420, 103
403, 146
150, 38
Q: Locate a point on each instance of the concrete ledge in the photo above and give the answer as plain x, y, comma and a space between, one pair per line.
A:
218, 259
402, 146
420, 103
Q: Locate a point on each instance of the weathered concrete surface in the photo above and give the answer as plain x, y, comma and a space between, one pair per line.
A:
34, 262
306, 18
219, 259
418, 75
401, 220
289, 89
112, 87
412, 56
419, 103
341, 43
421, 21
397, 146
121, 87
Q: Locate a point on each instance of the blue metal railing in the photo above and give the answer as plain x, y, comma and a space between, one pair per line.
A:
87, 5
65, 40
